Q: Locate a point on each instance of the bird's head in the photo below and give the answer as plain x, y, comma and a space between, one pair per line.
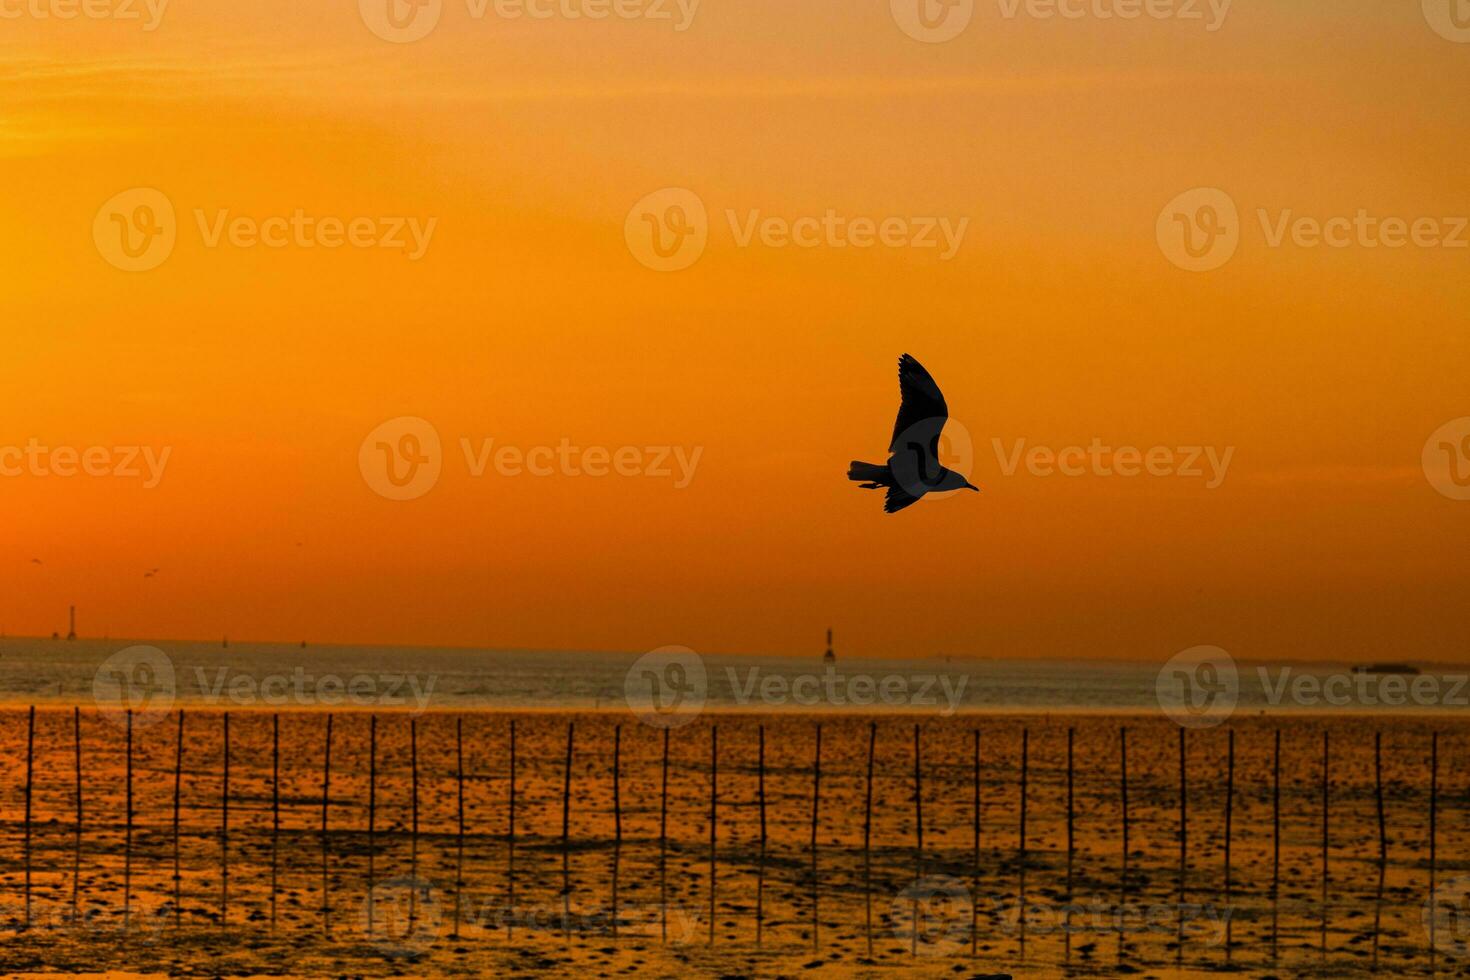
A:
954, 481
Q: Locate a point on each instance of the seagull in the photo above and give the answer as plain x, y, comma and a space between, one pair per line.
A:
913, 468
35, 561
150, 573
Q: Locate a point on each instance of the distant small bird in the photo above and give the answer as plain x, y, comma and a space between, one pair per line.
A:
150, 573
35, 561
913, 468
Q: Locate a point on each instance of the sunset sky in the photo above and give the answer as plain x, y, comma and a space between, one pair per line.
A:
529, 320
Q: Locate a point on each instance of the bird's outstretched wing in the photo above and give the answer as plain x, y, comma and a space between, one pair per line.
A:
922, 411
897, 499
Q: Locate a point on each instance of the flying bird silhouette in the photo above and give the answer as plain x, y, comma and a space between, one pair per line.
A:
913, 468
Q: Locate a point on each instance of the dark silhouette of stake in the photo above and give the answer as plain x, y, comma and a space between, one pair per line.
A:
413, 834
714, 792
459, 837
1382, 842
372, 815
1433, 840
510, 854
76, 876
178, 792
918, 844
1326, 763
566, 827
868, 842
1183, 847
617, 792
1229, 815
1275, 843
975, 869
1123, 796
128, 821
816, 810
30, 763
224, 830
275, 810
1021, 832
1071, 849
326, 851
663, 847
760, 872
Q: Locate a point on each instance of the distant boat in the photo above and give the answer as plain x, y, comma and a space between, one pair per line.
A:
829, 657
1405, 669
226, 643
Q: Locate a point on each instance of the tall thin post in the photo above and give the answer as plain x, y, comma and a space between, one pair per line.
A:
372, 816
178, 788
30, 764
1071, 847
1326, 763
868, 842
663, 847
714, 794
617, 788
1382, 842
918, 843
275, 810
413, 833
566, 828
224, 830
128, 819
1021, 842
76, 877
975, 846
1123, 796
459, 837
816, 810
510, 854
760, 873
1275, 843
1229, 825
326, 804
1183, 844
1433, 842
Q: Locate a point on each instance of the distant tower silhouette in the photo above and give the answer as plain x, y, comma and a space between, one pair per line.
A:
71, 633
829, 657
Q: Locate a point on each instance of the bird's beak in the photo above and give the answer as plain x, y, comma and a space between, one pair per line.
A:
972, 486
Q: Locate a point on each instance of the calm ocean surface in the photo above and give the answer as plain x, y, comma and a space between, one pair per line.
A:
245, 675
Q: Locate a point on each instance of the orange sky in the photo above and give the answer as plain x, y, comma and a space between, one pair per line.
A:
528, 320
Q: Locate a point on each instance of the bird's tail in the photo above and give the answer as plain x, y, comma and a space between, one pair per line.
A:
870, 475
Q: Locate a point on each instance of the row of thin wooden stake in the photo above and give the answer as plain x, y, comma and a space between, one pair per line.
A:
326, 909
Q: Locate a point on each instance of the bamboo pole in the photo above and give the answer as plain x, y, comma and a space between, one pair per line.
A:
1382, 842
1229, 826
975, 846
760, 873
1326, 764
128, 820
1123, 796
275, 810
714, 792
30, 768
868, 842
617, 791
459, 837
372, 818
1275, 844
326, 852
816, 809
663, 847
918, 843
413, 833
510, 854
1025, 775
178, 792
1433, 849
1071, 848
566, 826
1183, 844
224, 830
76, 877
